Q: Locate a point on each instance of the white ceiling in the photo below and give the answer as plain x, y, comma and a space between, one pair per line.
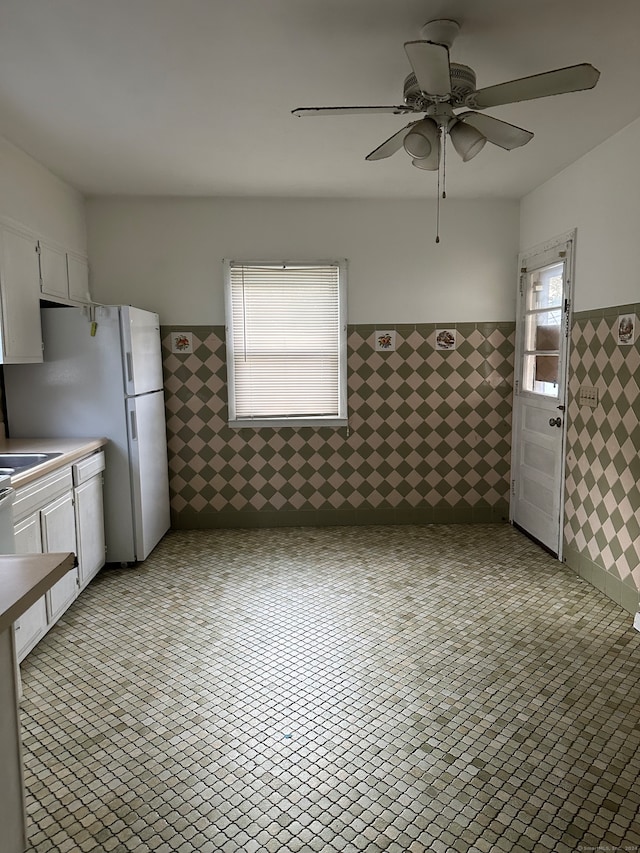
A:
193, 97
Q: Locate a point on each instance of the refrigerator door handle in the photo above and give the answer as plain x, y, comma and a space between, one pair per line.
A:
134, 427
129, 368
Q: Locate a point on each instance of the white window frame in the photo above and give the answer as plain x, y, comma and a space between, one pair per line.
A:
291, 420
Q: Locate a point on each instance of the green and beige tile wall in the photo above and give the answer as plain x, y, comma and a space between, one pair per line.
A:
602, 503
428, 438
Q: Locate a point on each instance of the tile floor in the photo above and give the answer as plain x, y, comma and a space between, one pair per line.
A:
443, 688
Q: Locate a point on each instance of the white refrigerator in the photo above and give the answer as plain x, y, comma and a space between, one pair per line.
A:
103, 380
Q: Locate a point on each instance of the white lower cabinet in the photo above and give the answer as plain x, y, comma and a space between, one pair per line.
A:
53, 515
59, 534
33, 623
89, 506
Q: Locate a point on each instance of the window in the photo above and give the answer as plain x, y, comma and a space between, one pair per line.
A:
543, 313
286, 344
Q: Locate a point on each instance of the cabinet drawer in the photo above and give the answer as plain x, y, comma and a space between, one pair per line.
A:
87, 468
32, 497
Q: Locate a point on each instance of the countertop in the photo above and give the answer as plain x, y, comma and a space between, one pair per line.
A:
71, 449
24, 578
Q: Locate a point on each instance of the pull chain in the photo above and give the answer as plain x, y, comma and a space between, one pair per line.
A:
442, 167
444, 195
438, 208
444, 162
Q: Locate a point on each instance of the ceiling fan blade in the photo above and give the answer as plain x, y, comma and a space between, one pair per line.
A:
390, 145
501, 133
430, 63
574, 78
346, 111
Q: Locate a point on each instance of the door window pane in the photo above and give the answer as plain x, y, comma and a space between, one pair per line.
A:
540, 374
547, 369
544, 305
543, 331
545, 288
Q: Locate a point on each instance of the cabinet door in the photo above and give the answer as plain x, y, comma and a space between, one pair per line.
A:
33, 623
90, 529
28, 535
53, 271
20, 297
78, 273
59, 534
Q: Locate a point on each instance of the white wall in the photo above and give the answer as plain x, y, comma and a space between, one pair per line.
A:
31, 196
165, 254
599, 195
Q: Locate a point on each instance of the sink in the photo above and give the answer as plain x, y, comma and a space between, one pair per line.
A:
11, 463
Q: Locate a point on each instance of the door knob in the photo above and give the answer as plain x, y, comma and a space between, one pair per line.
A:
555, 421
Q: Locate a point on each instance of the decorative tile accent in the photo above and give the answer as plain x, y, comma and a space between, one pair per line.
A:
182, 342
446, 339
427, 429
626, 329
602, 509
405, 690
385, 340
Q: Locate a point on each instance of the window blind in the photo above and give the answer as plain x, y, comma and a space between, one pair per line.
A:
285, 342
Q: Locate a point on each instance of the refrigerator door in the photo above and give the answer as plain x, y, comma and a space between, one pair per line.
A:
78, 392
149, 471
141, 352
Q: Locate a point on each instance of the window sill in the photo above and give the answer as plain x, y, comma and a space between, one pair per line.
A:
294, 423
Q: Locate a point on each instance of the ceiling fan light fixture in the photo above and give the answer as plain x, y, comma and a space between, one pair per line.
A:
429, 164
466, 140
421, 139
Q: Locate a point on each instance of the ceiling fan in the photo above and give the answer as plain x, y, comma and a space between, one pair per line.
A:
437, 87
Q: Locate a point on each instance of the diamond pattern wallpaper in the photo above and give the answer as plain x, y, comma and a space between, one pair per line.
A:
428, 437
602, 505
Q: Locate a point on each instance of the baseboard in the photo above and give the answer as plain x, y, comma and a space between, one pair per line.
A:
624, 594
189, 519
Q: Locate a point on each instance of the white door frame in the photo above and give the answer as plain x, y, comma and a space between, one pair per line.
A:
555, 249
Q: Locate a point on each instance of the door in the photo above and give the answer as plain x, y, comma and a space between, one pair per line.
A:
149, 470
33, 623
59, 535
142, 352
89, 528
78, 275
20, 292
53, 271
13, 815
539, 433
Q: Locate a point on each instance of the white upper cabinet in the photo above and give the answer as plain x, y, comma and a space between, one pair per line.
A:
64, 276
32, 269
21, 331
53, 271
78, 274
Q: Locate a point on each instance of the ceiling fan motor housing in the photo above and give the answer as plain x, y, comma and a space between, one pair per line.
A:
413, 97
463, 84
